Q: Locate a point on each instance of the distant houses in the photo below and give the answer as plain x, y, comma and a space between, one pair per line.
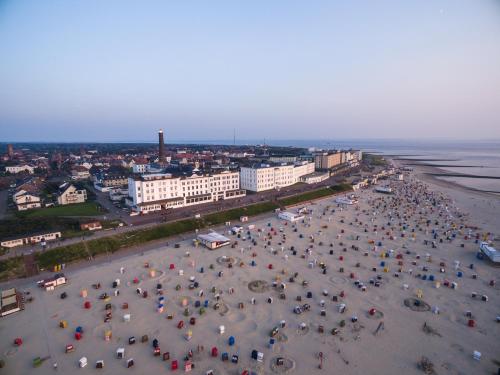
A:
20, 168
69, 194
79, 173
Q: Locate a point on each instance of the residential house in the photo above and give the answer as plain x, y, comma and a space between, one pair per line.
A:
26, 201
69, 194
79, 173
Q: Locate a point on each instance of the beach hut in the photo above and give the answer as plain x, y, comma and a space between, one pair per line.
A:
82, 362
174, 365
107, 335
342, 308
258, 356
120, 353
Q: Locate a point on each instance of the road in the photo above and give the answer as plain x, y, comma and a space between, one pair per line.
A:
250, 198
152, 219
113, 212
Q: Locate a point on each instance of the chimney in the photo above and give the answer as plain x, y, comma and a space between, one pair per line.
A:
161, 152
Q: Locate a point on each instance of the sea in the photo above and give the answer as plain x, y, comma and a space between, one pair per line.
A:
477, 158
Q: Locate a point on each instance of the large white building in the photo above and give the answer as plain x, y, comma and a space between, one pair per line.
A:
153, 192
266, 177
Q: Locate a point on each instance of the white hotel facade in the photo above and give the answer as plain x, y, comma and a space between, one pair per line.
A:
153, 192
266, 177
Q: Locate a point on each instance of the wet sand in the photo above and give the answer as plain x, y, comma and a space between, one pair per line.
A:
355, 348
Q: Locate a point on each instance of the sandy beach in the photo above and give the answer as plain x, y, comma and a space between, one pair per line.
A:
376, 257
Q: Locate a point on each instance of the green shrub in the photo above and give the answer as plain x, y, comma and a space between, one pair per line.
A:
11, 268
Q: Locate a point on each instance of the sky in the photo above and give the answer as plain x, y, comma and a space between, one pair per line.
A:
119, 70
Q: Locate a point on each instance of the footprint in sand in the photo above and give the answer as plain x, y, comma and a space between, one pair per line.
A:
236, 317
458, 347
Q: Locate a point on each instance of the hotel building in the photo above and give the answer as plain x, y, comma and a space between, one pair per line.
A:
266, 177
153, 192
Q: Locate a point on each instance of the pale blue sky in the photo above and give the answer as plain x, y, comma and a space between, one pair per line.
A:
119, 70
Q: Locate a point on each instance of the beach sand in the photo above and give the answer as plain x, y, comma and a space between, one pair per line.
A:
396, 348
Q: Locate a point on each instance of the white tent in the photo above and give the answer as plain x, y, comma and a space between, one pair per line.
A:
289, 216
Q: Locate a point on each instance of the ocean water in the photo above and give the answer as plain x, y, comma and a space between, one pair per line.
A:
480, 158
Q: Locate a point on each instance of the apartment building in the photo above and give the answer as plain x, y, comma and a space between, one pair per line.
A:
110, 180
153, 192
266, 177
301, 169
69, 194
141, 168
327, 160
